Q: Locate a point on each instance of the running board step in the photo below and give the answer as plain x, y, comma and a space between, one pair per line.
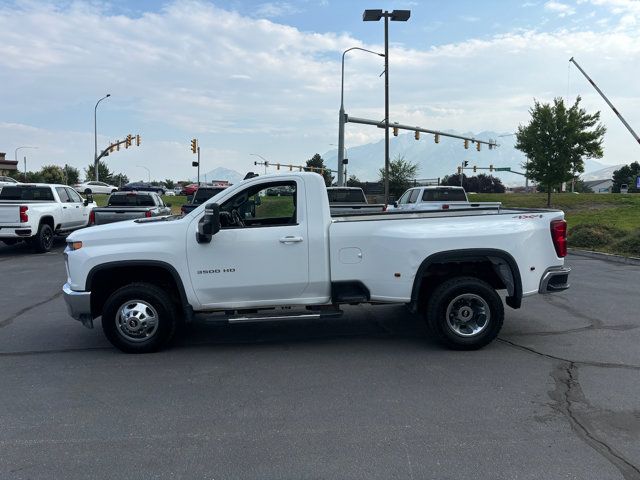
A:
284, 316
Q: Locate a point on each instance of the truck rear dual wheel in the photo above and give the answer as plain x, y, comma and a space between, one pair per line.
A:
464, 313
139, 318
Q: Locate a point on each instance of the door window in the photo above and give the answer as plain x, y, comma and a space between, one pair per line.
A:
73, 195
62, 193
414, 195
263, 205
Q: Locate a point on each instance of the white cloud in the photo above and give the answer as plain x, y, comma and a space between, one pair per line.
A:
562, 9
244, 85
276, 9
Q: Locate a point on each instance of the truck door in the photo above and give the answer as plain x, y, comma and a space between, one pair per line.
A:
66, 207
261, 253
80, 213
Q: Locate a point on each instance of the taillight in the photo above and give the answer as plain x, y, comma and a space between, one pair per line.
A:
445, 207
559, 237
24, 217
147, 213
92, 217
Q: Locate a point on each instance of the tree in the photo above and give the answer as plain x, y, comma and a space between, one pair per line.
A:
105, 175
120, 179
480, 184
52, 174
626, 175
557, 140
71, 175
401, 175
169, 184
353, 181
318, 163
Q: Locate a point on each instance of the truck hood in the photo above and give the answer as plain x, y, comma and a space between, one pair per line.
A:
126, 230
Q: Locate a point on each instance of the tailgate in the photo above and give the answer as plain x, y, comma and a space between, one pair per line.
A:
110, 215
9, 214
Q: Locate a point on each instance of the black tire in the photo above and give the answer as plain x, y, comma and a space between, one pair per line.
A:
87, 191
121, 336
475, 315
43, 240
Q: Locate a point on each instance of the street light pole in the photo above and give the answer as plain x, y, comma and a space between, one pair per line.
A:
148, 172
15, 156
95, 137
398, 16
342, 119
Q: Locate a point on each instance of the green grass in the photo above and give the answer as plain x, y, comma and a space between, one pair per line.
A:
617, 211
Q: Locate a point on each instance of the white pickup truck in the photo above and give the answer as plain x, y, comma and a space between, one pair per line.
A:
35, 212
437, 198
291, 260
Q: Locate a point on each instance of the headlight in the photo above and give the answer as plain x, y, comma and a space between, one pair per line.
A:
74, 245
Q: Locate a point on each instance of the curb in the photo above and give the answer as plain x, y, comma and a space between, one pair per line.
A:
607, 257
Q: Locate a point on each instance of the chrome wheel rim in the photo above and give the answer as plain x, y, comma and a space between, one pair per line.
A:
136, 321
468, 315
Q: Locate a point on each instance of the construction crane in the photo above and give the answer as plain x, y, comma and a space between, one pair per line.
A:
635, 135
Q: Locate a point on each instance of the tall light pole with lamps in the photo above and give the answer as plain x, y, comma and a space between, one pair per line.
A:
25, 160
148, 172
95, 137
341, 118
395, 16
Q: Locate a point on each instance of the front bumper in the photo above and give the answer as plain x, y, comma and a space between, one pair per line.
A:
78, 305
555, 279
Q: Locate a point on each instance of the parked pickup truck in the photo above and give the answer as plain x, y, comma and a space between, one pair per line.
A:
437, 198
36, 212
294, 261
345, 200
202, 194
128, 206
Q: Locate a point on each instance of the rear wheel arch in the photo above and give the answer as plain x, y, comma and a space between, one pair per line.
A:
105, 279
496, 267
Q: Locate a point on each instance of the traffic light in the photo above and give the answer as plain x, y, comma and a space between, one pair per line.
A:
478, 146
278, 166
466, 144
194, 164
112, 148
436, 138
127, 143
491, 168
395, 131
117, 145
137, 140
194, 145
417, 135
475, 169
466, 163
459, 170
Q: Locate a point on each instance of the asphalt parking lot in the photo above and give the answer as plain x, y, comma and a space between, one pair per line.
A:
365, 396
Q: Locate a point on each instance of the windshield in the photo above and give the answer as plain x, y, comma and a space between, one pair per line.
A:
130, 200
204, 194
441, 195
346, 196
26, 193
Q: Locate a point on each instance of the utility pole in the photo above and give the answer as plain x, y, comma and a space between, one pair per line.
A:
198, 165
25, 168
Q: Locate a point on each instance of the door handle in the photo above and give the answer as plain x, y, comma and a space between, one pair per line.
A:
64, 207
291, 239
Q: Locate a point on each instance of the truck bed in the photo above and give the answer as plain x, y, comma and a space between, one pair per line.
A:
459, 212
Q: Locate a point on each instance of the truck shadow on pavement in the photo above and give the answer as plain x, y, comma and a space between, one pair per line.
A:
21, 249
357, 322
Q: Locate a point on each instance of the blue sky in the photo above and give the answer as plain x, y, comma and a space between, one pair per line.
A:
264, 77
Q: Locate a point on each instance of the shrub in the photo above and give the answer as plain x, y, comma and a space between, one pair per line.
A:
592, 236
629, 245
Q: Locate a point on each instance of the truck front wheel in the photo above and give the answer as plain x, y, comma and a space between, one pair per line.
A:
139, 318
465, 313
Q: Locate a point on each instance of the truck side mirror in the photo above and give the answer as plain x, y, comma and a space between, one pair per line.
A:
209, 224
88, 200
395, 204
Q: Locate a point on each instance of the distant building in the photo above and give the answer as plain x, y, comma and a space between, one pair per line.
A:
7, 166
600, 186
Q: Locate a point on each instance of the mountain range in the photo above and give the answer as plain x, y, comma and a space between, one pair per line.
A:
439, 159
433, 159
